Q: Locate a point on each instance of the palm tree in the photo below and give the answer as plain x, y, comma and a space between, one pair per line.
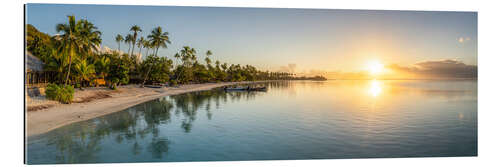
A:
86, 71
135, 29
207, 59
147, 45
102, 66
157, 39
56, 63
70, 41
188, 55
128, 39
140, 44
91, 37
119, 39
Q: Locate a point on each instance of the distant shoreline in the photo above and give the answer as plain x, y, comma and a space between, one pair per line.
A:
430, 79
58, 115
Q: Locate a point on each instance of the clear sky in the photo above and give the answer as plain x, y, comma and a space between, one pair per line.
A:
312, 39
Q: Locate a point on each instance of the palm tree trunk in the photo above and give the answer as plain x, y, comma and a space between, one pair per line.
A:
128, 52
146, 77
149, 70
119, 46
69, 67
140, 49
133, 46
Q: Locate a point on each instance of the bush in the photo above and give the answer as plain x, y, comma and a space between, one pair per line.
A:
173, 83
60, 93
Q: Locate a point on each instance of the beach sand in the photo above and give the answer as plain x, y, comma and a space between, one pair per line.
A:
46, 115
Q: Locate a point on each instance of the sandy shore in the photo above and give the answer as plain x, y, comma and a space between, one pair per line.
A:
95, 102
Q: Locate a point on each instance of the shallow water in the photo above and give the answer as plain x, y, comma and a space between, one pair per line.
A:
292, 120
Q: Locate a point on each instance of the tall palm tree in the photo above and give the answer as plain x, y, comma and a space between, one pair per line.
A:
207, 59
140, 44
128, 39
119, 39
91, 37
71, 43
188, 55
147, 45
157, 39
135, 29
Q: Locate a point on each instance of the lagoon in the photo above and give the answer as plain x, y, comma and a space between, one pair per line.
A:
292, 120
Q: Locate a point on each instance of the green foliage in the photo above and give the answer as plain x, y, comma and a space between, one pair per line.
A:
159, 69
63, 94
78, 38
74, 58
85, 71
119, 68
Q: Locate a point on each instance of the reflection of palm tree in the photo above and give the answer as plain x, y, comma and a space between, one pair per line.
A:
80, 143
136, 149
207, 109
187, 125
77, 148
158, 146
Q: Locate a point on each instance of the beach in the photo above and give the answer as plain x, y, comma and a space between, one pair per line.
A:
46, 115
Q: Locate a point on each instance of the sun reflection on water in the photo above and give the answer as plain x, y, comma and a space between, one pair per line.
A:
375, 88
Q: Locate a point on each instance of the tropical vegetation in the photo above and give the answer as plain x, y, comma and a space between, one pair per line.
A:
76, 57
64, 94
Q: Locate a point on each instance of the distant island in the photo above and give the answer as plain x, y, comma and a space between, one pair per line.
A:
314, 78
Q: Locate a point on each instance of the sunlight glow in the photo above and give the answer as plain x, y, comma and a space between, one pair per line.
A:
375, 67
375, 88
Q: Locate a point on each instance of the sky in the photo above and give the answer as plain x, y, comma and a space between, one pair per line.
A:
326, 41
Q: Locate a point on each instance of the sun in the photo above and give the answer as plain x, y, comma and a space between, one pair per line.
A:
375, 67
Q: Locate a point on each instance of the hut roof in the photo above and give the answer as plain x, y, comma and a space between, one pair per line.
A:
33, 63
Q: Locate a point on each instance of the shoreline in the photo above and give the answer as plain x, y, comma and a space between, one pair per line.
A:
45, 120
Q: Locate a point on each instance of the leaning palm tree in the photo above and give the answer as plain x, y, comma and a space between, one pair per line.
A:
157, 39
71, 43
135, 29
119, 39
128, 39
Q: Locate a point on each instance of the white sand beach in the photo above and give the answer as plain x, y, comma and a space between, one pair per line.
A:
46, 115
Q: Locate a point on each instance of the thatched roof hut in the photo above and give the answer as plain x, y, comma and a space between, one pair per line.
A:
33, 63
36, 76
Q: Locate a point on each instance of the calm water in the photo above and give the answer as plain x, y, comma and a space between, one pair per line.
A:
292, 120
